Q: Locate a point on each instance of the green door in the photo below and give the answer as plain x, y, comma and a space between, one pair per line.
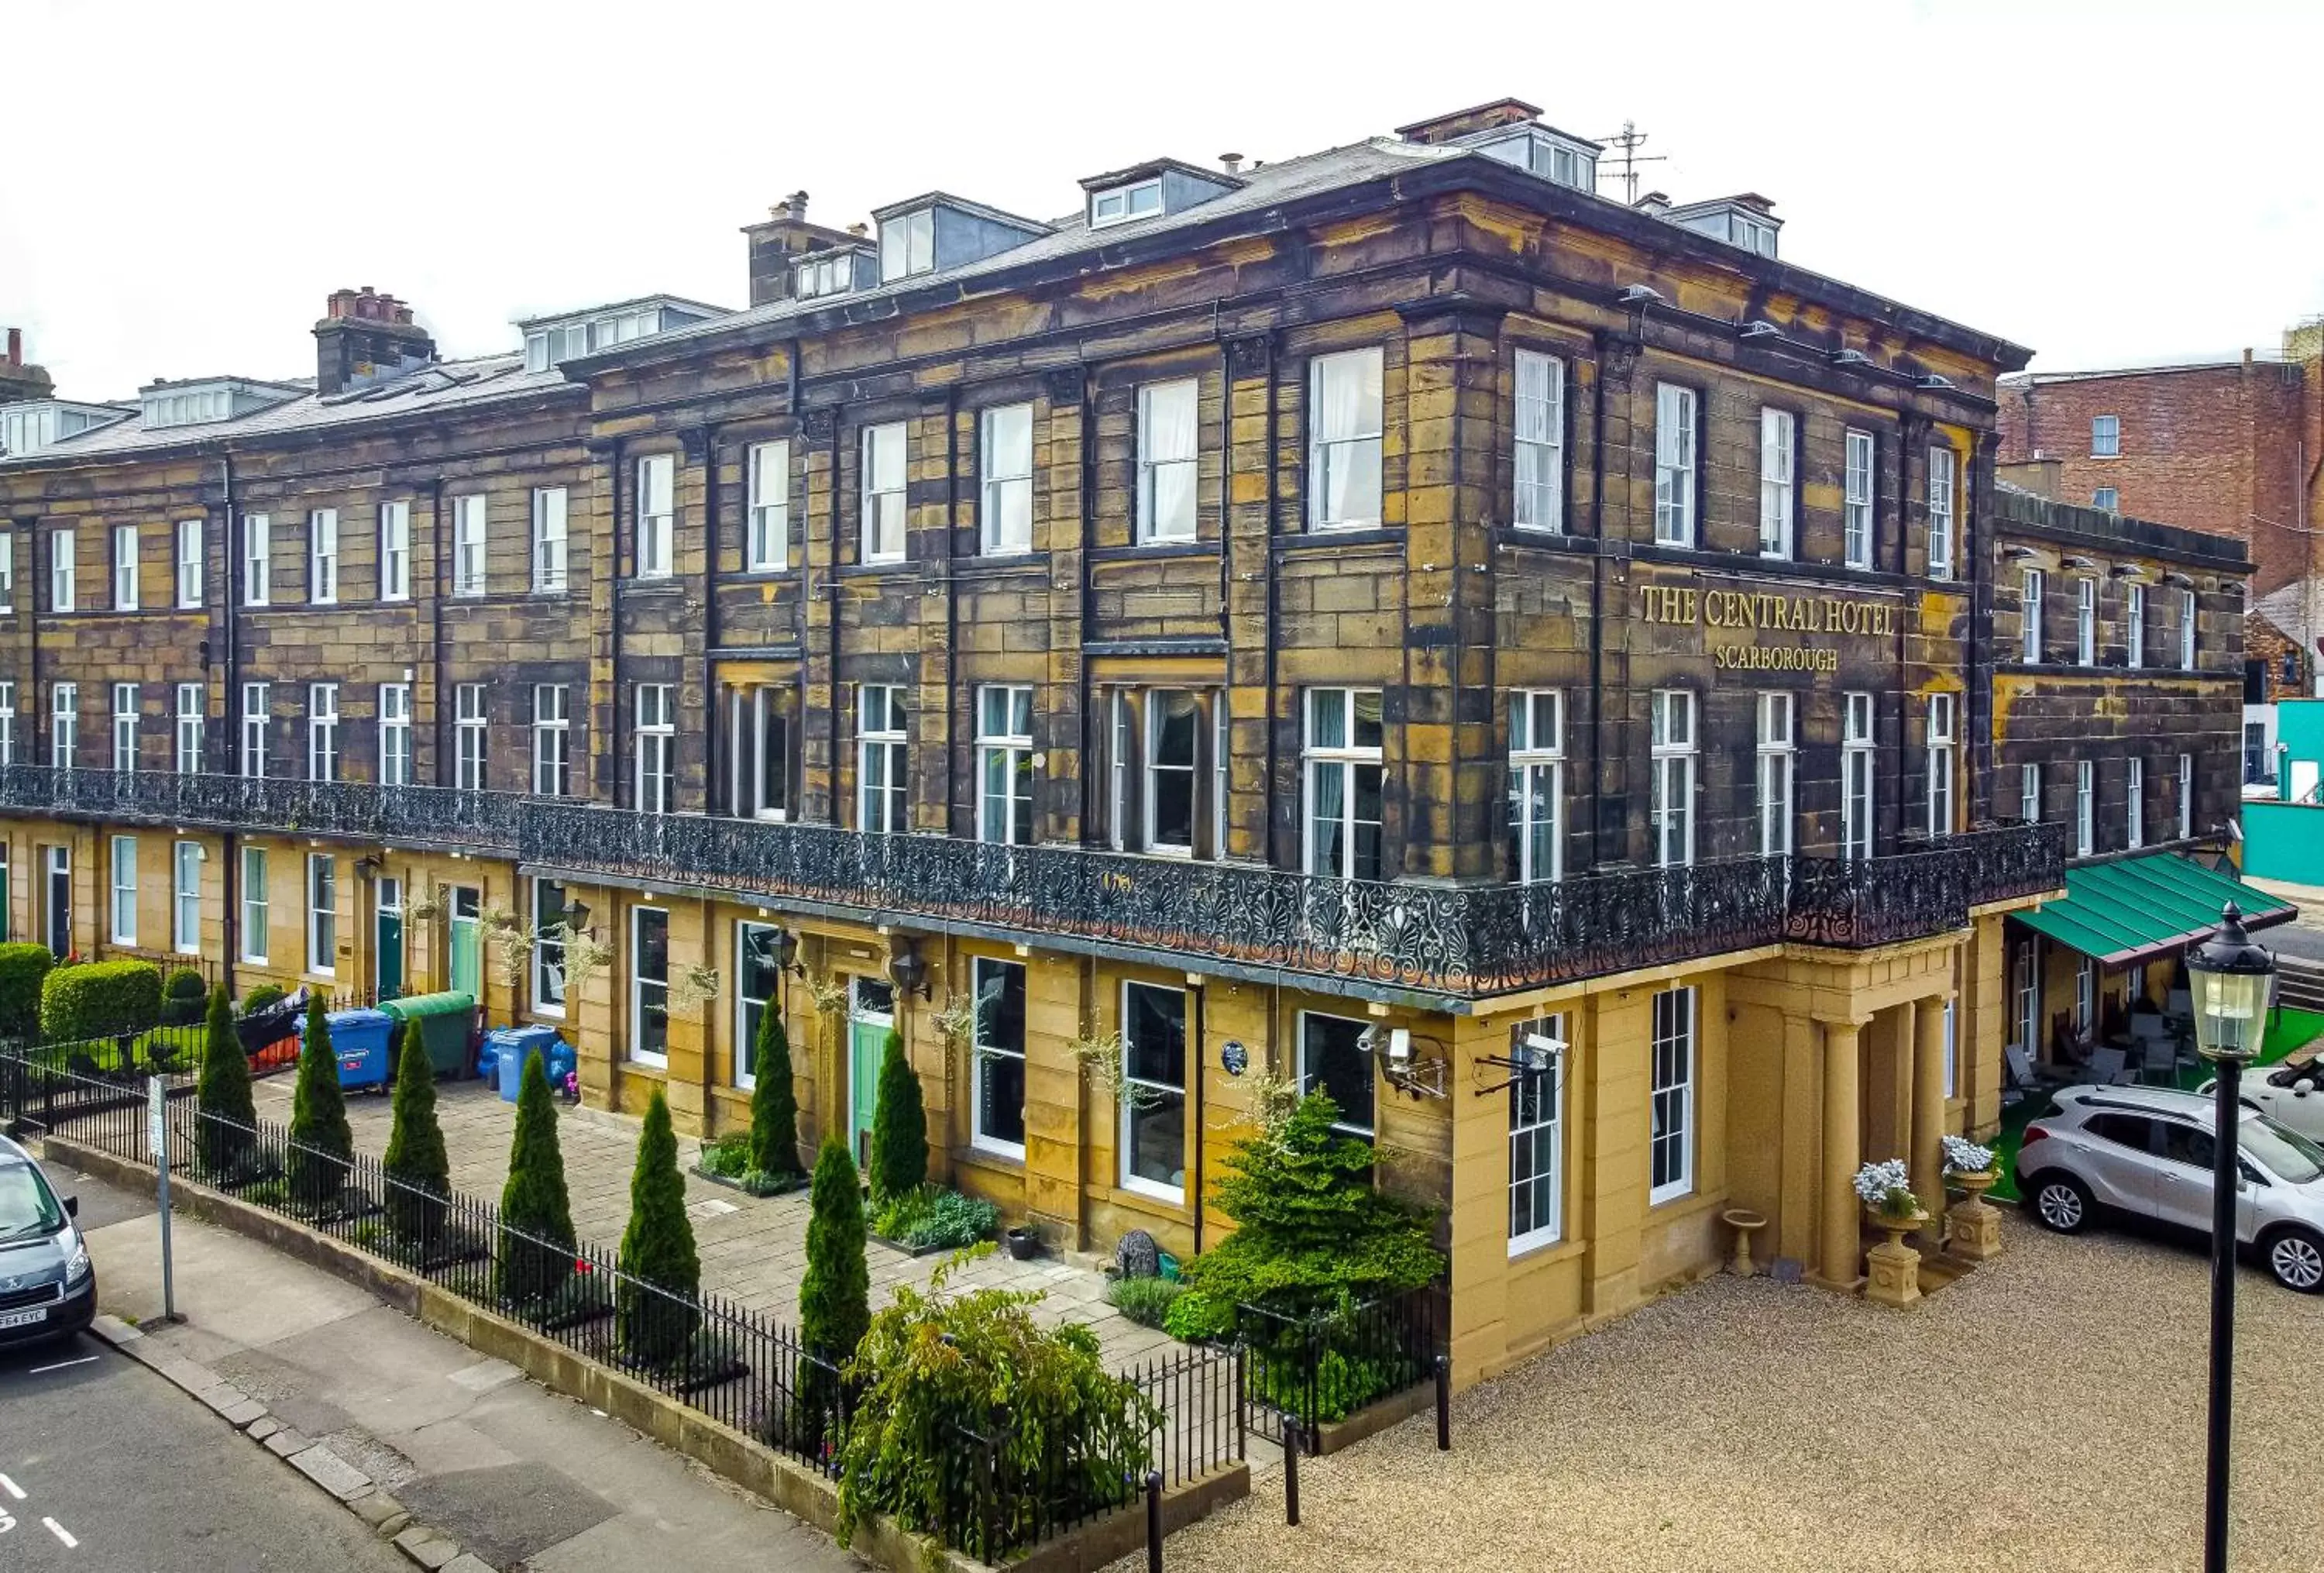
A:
872, 1013
387, 947
467, 940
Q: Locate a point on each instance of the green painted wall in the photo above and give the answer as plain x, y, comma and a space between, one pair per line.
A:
2284, 841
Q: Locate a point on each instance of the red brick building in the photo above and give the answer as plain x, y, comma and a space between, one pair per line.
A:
2230, 447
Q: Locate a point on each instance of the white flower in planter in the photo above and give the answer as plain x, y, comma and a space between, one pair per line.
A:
1887, 1187
1966, 1157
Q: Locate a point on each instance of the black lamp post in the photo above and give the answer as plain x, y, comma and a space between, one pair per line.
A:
2232, 978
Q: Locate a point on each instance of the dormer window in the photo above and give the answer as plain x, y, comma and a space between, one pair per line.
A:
1744, 222
1562, 160
830, 273
1140, 199
199, 402
551, 341
908, 245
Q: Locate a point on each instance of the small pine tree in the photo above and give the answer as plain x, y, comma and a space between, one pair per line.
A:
223, 1094
900, 1127
774, 1105
536, 1255
657, 1249
415, 1148
322, 1145
835, 1294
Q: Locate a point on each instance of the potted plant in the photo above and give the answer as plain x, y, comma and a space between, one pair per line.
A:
1885, 1188
1973, 1228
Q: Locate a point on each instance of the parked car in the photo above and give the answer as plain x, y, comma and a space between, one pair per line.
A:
48, 1289
2147, 1152
2290, 1095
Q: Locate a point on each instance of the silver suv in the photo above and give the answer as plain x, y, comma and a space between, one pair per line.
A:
2148, 1152
47, 1288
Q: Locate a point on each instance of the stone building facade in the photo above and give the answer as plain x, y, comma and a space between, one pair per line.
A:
1514, 661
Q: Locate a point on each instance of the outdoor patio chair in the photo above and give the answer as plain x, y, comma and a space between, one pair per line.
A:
2020, 1079
2110, 1067
2158, 1063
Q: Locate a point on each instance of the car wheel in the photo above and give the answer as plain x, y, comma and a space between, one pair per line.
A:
2061, 1203
2296, 1257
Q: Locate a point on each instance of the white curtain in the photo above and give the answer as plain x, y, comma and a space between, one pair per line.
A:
1166, 448
1346, 426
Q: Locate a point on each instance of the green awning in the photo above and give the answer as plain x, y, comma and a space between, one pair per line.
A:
2140, 909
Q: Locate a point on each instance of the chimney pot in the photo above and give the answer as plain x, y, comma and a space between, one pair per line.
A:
1230, 162
795, 206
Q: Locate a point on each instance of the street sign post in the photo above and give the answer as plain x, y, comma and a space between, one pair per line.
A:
157, 1141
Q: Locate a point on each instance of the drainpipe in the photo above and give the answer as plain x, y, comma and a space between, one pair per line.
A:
1196, 1193
231, 583
713, 753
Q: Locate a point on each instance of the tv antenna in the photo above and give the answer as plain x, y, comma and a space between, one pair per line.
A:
1628, 140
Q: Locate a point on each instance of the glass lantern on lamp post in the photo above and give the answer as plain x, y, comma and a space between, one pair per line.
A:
2232, 979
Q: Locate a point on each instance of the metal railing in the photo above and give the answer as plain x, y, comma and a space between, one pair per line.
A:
1317, 1370
739, 1367
1466, 940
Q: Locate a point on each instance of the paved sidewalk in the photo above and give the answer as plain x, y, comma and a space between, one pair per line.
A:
512, 1474
753, 1249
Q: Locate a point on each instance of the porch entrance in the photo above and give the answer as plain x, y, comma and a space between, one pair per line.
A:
467, 912
387, 942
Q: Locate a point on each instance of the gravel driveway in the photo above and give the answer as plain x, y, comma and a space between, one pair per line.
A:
2044, 1413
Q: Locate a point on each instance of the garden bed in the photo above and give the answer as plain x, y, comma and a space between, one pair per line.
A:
761, 1186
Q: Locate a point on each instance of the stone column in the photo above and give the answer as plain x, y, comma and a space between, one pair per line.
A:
1929, 1108
1841, 1233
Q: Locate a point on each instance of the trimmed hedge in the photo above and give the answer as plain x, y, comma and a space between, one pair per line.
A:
98, 999
184, 997
23, 969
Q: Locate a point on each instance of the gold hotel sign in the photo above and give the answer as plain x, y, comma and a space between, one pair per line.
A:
1759, 613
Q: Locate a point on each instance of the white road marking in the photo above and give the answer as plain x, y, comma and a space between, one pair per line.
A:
12, 1489
61, 1532
60, 1365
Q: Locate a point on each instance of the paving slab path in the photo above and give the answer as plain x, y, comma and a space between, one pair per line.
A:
753, 1249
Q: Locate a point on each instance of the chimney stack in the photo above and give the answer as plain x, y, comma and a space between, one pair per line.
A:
777, 241
19, 381
366, 336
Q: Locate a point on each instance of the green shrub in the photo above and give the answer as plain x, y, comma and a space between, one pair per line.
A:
263, 995
22, 969
1310, 1230
899, 1126
182, 997
657, 1250
934, 1365
320, 1142
774, 1105
935, 1218
1193, 1317
223, 1092
99, 999
1144, 1300
729, 1156
836, 1294
1343, 1384
415, 1148
535, 1259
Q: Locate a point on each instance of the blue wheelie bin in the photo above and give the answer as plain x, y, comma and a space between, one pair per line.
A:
506, 1048
359, 1039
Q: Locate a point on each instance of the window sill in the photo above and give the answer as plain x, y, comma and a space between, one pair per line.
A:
1135, 1192
1543, 1253
982, 1155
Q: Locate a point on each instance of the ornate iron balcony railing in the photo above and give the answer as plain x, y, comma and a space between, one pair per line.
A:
1472, 940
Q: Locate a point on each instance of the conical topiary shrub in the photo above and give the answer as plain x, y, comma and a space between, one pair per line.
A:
900, 1127
225, 1115
416, 1159
774, 1105
835, 1294
660, 1272
535, 1244
322, 1145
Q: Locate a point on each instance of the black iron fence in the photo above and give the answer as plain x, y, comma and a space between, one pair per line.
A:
1468, 939
739, 1366
1317, 1370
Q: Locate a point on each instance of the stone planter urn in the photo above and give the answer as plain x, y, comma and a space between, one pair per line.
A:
1894, 1268
1975, 1225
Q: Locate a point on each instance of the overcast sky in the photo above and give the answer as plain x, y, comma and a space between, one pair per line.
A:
187, 182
